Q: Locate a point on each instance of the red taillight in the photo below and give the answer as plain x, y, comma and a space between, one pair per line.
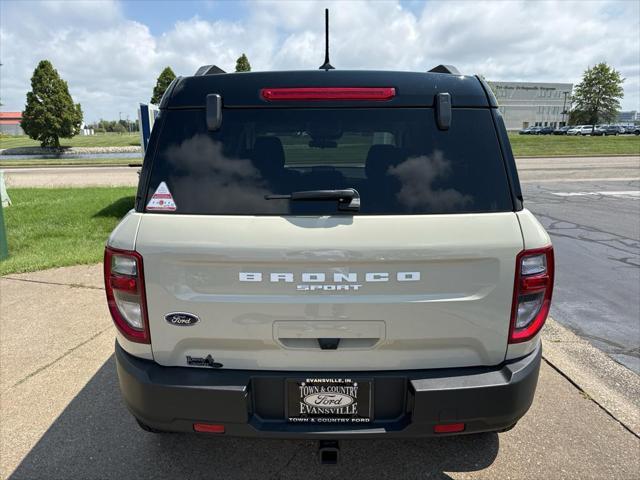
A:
208, 427
533, 287
328, 93
124, 284
449, 428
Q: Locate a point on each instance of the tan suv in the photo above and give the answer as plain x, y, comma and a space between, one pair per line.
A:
329, 254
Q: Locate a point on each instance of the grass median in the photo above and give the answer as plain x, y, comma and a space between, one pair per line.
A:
56, 227
98, 140
557, 145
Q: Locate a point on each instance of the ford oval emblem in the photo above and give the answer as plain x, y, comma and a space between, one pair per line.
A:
328, 400
181, 319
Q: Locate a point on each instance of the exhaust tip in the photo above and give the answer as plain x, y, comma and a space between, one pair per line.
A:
328, 452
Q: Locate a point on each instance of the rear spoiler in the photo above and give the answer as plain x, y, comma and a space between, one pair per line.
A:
413, 89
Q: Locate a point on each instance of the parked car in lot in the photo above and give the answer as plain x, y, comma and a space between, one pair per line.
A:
540, 130
580, 130
561, 130
381, 278
635, 130
612, 130
537, 130
598, 131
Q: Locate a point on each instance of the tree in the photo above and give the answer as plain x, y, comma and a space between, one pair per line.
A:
579, 117
165, 78
597, 97
50, 112
242, 64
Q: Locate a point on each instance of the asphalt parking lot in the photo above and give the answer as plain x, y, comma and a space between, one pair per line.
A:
595, 229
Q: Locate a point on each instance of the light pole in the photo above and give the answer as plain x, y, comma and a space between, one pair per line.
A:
4, 246
564, 108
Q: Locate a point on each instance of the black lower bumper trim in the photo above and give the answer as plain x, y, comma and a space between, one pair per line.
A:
250, 403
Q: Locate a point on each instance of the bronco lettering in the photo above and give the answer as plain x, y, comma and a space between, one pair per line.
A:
314, 277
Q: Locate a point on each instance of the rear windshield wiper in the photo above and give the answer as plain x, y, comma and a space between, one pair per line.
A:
348, 199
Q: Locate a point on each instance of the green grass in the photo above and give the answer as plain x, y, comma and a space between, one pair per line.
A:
8, 162
99, 140
58, 227
554, 145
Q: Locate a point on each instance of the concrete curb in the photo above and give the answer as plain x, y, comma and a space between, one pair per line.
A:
612, 386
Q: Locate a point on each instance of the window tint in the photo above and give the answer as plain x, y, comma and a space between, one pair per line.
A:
397, 160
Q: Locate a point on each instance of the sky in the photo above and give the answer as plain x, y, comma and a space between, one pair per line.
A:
111, 52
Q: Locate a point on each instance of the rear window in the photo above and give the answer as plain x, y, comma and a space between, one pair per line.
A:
396, 158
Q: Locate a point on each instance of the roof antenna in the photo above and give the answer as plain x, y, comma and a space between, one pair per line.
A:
326, 65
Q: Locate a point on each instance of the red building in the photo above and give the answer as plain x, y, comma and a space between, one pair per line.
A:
10, 123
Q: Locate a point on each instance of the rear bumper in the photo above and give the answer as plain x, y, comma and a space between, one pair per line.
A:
252, 403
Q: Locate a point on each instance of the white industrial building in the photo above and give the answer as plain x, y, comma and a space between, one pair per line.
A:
528, 104
628, 117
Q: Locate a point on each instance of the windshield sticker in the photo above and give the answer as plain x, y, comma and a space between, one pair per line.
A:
162, 200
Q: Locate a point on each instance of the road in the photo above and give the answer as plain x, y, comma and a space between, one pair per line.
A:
589, 205
571, 169
71, 176
595, 228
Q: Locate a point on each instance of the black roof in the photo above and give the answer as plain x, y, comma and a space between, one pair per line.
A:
412, 88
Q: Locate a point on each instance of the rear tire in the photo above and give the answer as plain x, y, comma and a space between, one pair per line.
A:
149, 429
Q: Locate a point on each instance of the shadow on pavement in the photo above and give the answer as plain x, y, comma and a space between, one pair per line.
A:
118, 208
95, 437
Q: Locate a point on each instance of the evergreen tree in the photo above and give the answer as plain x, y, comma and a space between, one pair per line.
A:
597, 96
242, 64
163, 82
50, 112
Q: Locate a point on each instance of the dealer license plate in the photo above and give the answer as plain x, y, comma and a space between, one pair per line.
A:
329, 400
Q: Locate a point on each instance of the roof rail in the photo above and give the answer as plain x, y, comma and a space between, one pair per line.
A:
208, 70
445, 69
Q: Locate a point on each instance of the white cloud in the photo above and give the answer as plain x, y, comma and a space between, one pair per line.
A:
111, 62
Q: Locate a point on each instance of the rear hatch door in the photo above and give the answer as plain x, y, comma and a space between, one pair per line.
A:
420, 277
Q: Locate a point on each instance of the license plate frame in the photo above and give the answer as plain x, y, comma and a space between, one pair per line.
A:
323, 400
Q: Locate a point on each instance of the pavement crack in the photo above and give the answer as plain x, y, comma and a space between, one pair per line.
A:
286, 465
72, 285
65, 354
589, 397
